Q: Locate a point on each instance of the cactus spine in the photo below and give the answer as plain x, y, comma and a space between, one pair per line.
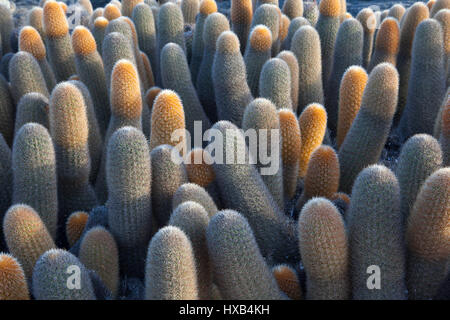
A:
193, 220
371, 126
240, 270
129, 174
229, 78
13, 285
427, 237
34, 173
170, 271
306, 47
26, 236
351, 91
324, 250
60, 52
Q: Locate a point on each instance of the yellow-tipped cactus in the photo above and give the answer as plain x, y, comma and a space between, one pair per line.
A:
98, 31
167, 116
207, 7
288, 281
416, 14
26, 236
59, 48
327, 26
322, 175
256, 54
98, 252
111, 12
313, 124
365, 140
290, 148
75, 226
128, 6
90, 69
324, 250
386, 44
350, 96
241, 19
30, 41
13, 285
428, 237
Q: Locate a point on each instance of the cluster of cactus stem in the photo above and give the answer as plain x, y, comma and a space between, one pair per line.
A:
128, 150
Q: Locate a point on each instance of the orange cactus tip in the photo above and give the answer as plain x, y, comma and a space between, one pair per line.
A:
150, 96
341, 196
388, 36
284, 27
13, 285
167, 116
207, 7
330, 8
313, 123
368, 20
347, 15
290, 137
111, 12
74, 77
55, 22
198, 167
75, 226
101, 23
30, 41
83, 41
228, 42
322, 174
288, 281
63, 6
126, 98
430, 4
261, 38
241, 11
